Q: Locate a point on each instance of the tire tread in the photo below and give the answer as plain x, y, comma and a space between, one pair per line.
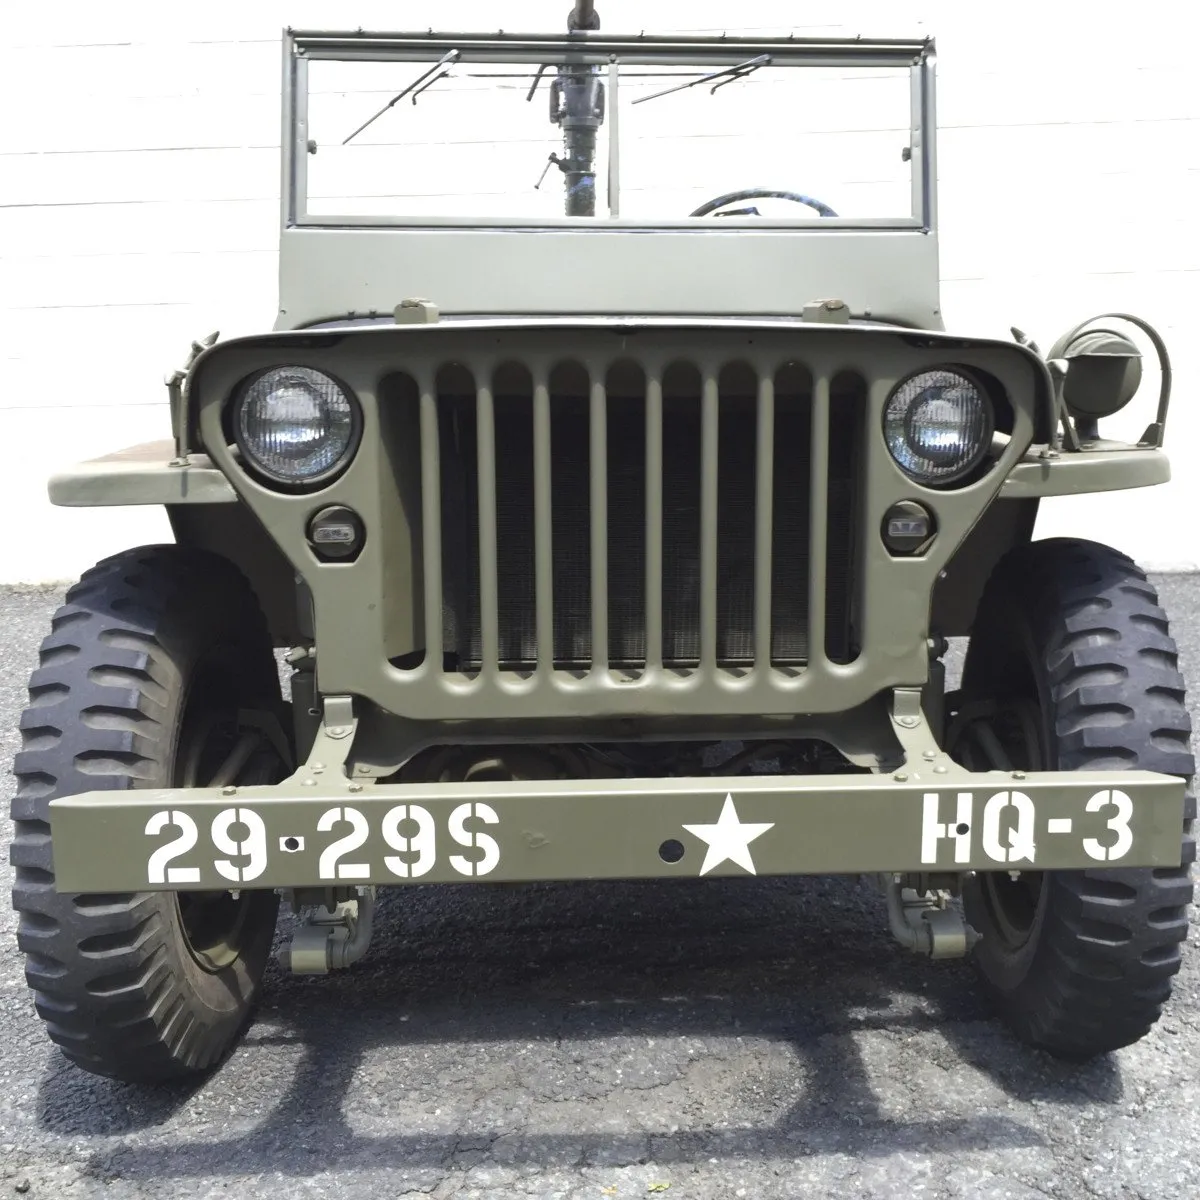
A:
1115, 934
98, 965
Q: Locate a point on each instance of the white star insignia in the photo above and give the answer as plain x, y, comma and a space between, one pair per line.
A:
728, 839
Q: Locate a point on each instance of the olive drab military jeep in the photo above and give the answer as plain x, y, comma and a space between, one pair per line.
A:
612, 518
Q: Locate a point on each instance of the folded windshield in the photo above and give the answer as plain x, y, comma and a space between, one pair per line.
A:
464, 133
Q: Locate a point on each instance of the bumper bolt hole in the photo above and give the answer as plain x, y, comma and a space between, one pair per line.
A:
671, 851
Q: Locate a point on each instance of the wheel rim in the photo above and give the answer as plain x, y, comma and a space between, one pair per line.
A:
1014, 904
215, 750
1005, 736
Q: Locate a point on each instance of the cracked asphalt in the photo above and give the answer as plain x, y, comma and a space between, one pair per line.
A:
759, 1038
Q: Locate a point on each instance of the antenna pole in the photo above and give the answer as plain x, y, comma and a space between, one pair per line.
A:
577, 106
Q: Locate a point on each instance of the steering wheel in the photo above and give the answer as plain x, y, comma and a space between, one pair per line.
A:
759, 194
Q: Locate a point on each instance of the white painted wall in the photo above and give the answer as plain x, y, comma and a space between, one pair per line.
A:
138, 177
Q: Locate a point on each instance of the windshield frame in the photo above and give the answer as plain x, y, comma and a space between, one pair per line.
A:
709, 54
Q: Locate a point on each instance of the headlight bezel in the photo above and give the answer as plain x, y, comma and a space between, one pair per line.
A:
965, 472
262, 473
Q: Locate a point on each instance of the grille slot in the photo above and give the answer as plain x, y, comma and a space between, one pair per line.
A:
629, 517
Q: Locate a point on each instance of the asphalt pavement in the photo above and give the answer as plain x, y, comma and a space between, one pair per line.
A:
759, 1038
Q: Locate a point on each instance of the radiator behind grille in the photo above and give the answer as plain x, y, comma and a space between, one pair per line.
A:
684, 517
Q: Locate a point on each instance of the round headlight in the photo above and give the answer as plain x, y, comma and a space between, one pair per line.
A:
296, 425
938, 425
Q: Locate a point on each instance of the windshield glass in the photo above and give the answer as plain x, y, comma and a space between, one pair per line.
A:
468, 134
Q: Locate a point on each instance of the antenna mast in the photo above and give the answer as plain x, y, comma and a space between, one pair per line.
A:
577, 107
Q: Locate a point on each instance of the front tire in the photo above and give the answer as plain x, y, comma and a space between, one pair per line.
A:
1071, 666
158, 672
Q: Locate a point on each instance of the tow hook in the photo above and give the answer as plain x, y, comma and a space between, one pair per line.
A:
330, 939
925, 923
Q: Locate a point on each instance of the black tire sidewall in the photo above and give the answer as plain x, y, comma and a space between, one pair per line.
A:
1010, 653
1095, 964
201, 651
208, 633
146, 636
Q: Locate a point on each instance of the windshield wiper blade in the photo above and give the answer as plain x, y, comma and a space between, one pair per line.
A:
726, 75
414, 89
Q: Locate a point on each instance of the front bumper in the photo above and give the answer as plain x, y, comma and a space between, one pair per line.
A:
320, 831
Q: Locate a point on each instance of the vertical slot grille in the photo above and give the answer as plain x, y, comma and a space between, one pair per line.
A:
737, 448
725, 536
626, 462
569, 491
681, 517
515, 559
457, 477
848, 400
792, 459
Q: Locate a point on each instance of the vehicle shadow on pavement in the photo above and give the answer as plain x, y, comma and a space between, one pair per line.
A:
494, 1006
